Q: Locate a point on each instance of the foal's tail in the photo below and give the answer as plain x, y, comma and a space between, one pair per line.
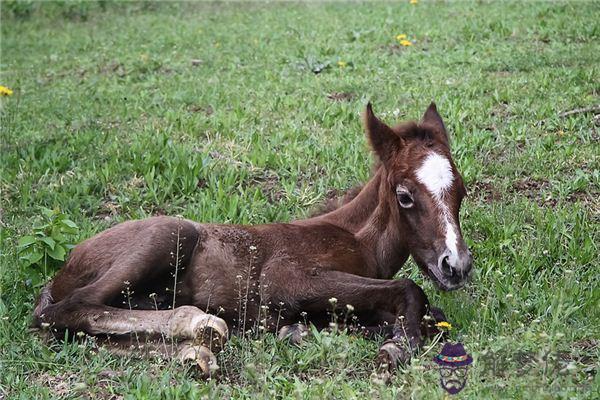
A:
43, 302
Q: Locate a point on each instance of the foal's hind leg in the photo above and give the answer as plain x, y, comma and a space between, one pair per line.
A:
151, 254
195, 334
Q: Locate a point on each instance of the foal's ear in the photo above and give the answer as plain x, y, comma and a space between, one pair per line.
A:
382, 137
432, 117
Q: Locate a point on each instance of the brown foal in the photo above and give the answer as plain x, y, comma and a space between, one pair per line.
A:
189, 282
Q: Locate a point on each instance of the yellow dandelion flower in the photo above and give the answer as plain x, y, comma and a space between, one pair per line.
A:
400, 37
342, 64
4, 91
444, 325
414, 1
406, 43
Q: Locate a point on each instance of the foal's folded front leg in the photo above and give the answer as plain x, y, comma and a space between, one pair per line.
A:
400, 303
407, 336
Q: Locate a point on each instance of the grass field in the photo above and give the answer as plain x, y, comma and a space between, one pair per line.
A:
249, 113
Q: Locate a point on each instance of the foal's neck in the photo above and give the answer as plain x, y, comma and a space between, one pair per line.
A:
374, 221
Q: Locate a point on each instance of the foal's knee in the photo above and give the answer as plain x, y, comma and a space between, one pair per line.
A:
414, 297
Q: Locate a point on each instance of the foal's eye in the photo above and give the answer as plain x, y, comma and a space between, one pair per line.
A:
404, 197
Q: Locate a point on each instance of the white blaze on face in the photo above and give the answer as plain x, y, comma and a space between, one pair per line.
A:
436, 175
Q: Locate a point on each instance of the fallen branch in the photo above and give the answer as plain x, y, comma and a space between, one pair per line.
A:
580, 111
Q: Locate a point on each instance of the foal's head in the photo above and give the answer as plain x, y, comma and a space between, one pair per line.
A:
425, 191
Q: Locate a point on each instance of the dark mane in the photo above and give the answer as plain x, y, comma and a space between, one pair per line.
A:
335, 200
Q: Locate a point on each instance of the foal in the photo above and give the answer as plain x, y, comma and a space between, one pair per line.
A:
190, 282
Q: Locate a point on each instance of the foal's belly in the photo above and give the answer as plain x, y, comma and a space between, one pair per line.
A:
231, 270
224, 271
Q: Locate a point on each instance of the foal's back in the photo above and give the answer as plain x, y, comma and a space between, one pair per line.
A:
202, 263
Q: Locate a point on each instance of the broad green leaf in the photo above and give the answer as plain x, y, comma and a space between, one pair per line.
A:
48, 213
58, 253
49, 241
69, 223
58, 235
40, 227
31, 257
36, 257
26, 241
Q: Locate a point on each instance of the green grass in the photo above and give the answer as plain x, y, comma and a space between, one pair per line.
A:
111, 121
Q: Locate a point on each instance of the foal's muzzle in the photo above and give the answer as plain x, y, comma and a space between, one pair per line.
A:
456, 268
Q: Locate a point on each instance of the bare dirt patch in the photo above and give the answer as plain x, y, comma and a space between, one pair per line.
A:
485, 191
114, 67
268, 182
206, 110
502, 111
340, 96
589, 200
534, 189
531, 187
538, 190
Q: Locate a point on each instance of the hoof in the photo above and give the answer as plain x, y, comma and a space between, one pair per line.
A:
201, 357
294, 333
392, 354
210, 332
189, 323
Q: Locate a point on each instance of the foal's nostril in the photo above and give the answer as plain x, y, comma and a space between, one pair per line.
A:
469, 266
446, 267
